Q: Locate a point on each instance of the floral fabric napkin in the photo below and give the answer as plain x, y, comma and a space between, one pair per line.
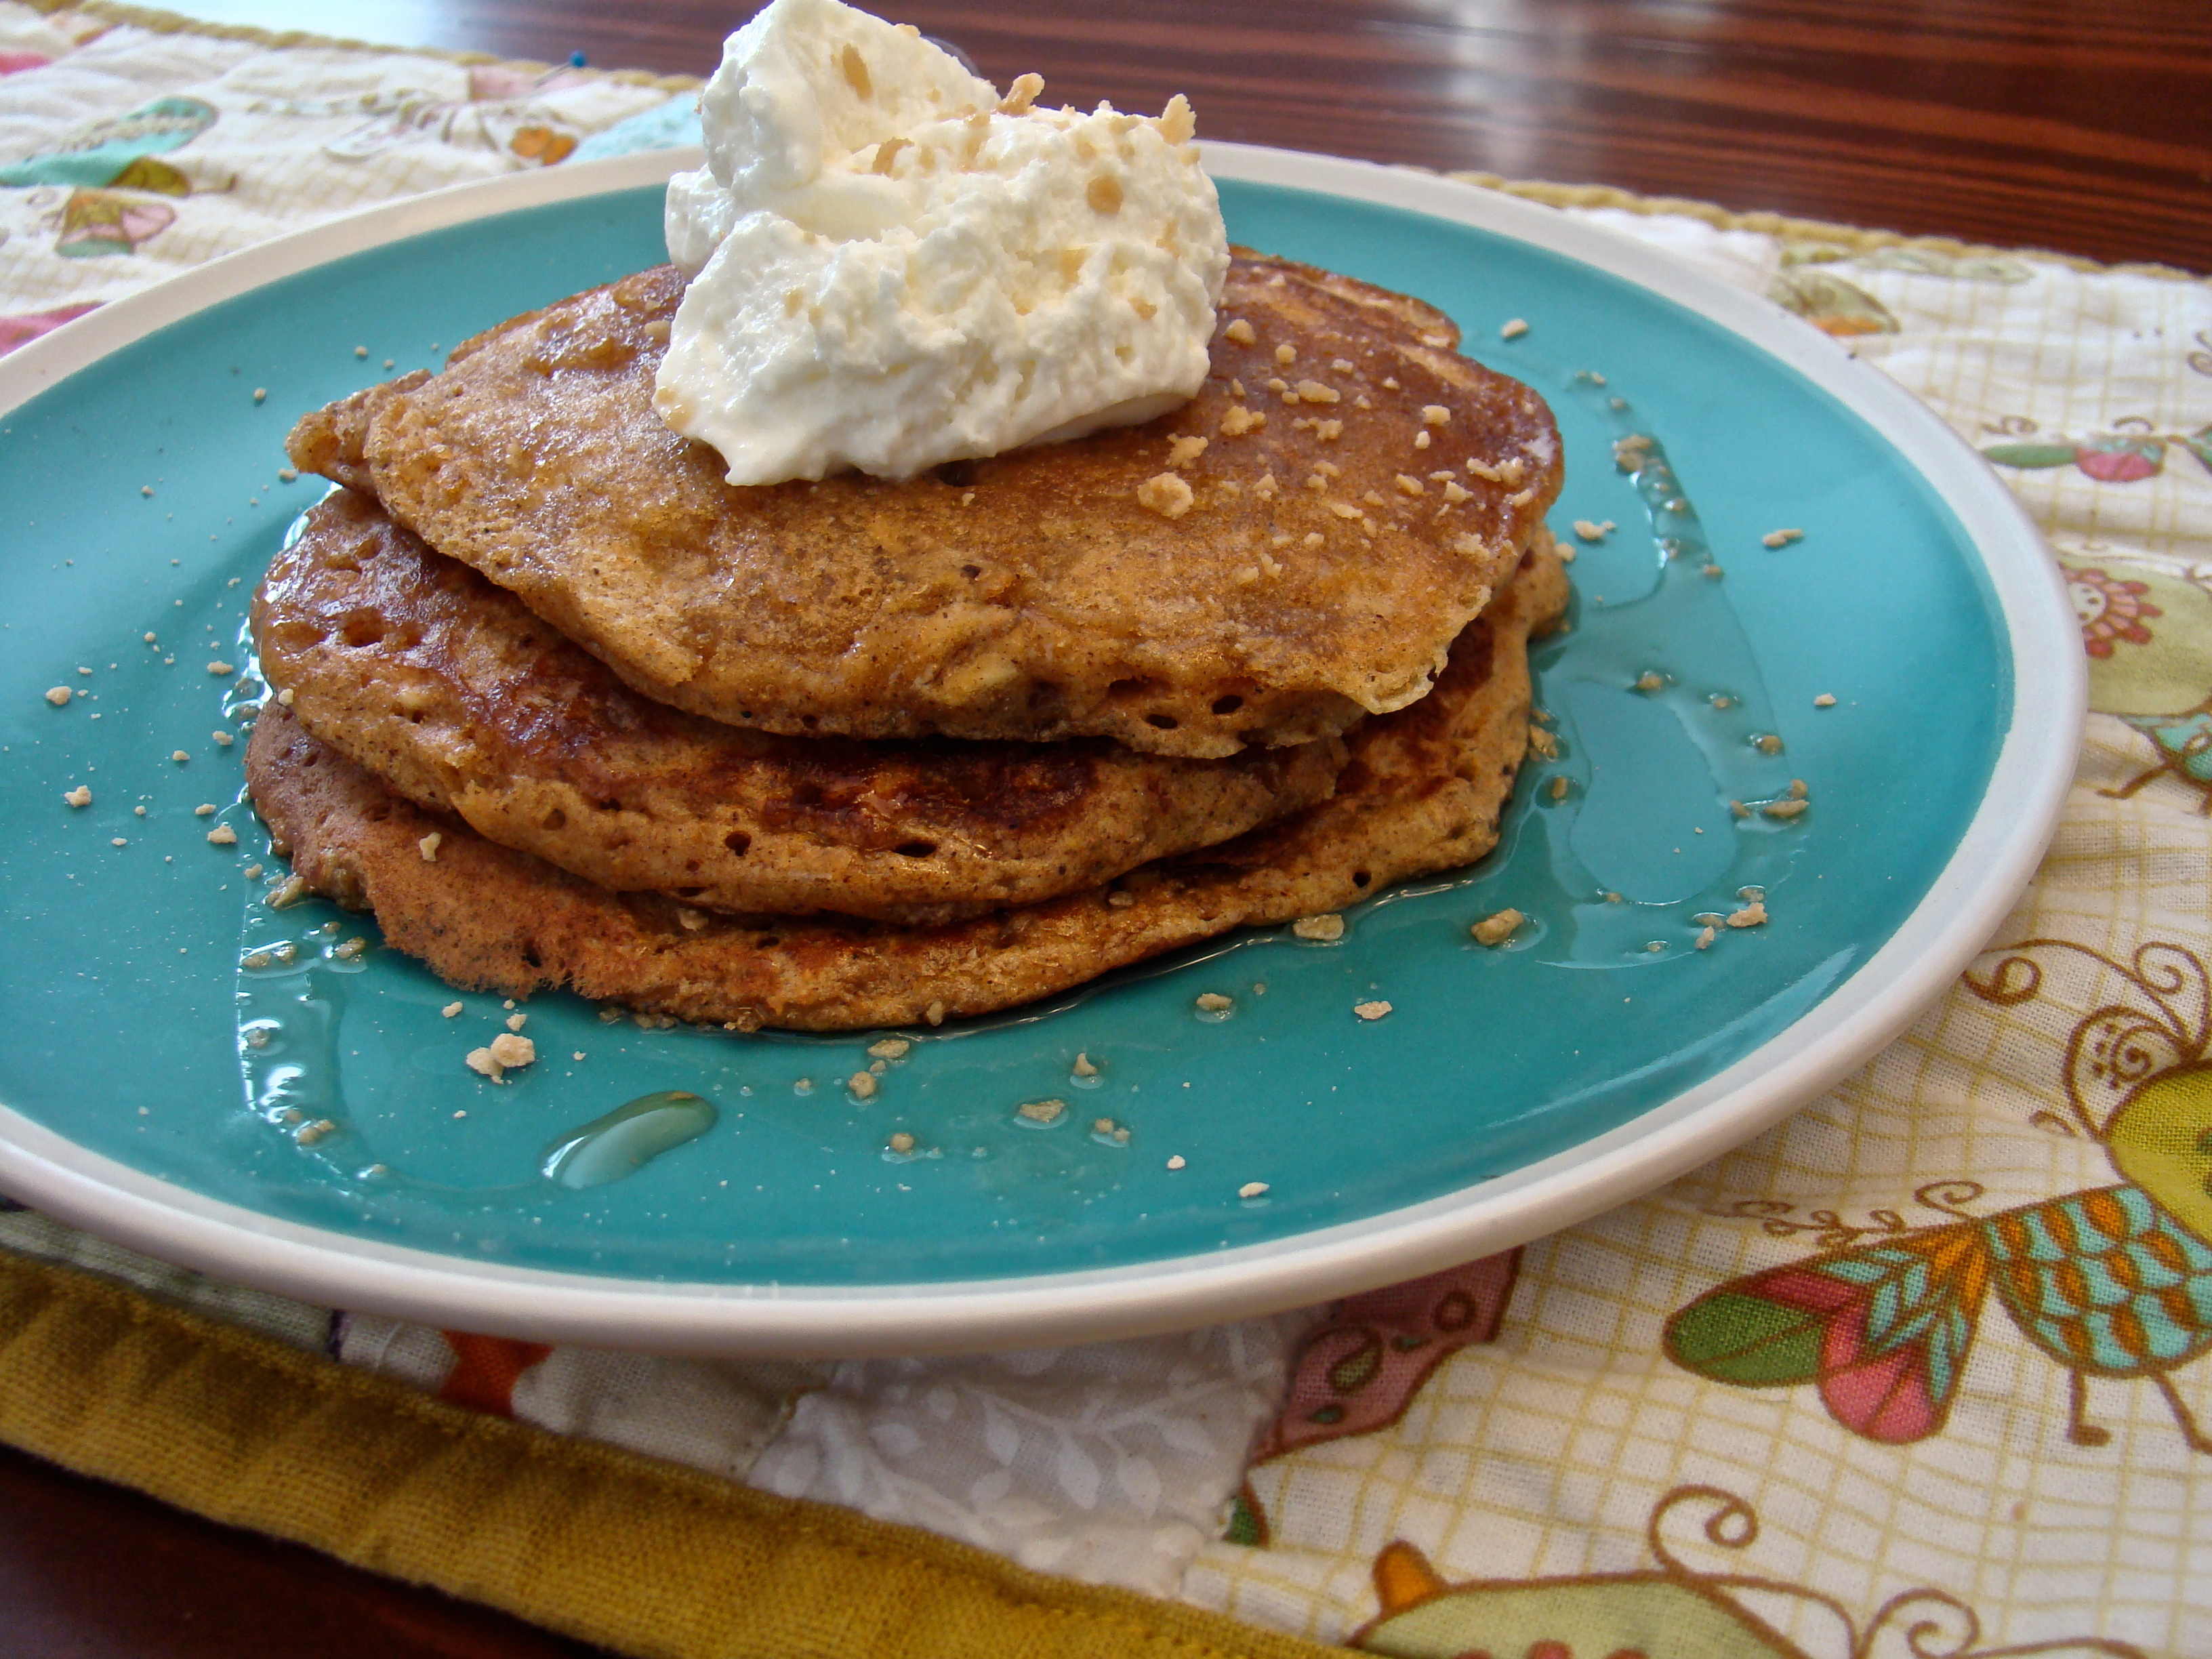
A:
1918, 1372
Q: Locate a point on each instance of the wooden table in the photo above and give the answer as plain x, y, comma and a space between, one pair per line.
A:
2086, 130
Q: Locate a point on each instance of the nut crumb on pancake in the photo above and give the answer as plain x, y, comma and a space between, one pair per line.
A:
1166, 494
1497, 928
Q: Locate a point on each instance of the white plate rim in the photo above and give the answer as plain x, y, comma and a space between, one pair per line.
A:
1989, 869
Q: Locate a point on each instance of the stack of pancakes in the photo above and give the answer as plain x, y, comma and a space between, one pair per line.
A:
564, 708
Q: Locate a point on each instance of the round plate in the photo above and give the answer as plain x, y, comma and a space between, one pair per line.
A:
245, 1090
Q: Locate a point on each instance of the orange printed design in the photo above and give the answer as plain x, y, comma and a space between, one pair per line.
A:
486, 1370
542, 145
2115, 1282
1673, 1610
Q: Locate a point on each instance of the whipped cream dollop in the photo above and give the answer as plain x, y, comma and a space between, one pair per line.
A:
892, 267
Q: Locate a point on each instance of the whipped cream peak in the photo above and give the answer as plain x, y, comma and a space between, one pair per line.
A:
892, 267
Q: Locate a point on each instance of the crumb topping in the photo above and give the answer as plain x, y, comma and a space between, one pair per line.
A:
1513, 330
1325, 929
1370, 1011
1166, 494
1782, 537
1241, 332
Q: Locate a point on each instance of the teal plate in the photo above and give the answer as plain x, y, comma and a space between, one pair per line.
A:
267, 1094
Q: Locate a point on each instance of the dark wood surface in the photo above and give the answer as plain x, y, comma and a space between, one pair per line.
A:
2085, 129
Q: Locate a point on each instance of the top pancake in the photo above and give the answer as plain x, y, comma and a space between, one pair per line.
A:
1321, 567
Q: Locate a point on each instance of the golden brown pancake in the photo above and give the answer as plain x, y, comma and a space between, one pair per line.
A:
452, 694
1312, 562
1422, 792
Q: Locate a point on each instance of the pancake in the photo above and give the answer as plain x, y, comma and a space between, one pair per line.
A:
1422, 792
1312, 563
452, 694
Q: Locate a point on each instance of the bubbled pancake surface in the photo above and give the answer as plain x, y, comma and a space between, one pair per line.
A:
1318, 573
1422, 792
454, 695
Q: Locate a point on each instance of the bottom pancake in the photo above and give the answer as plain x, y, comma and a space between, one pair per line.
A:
1422, 792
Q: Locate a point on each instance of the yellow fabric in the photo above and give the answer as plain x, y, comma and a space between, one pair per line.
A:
640, 1557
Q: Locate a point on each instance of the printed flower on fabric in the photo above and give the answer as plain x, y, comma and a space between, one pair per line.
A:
2146, 626
2109, 608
